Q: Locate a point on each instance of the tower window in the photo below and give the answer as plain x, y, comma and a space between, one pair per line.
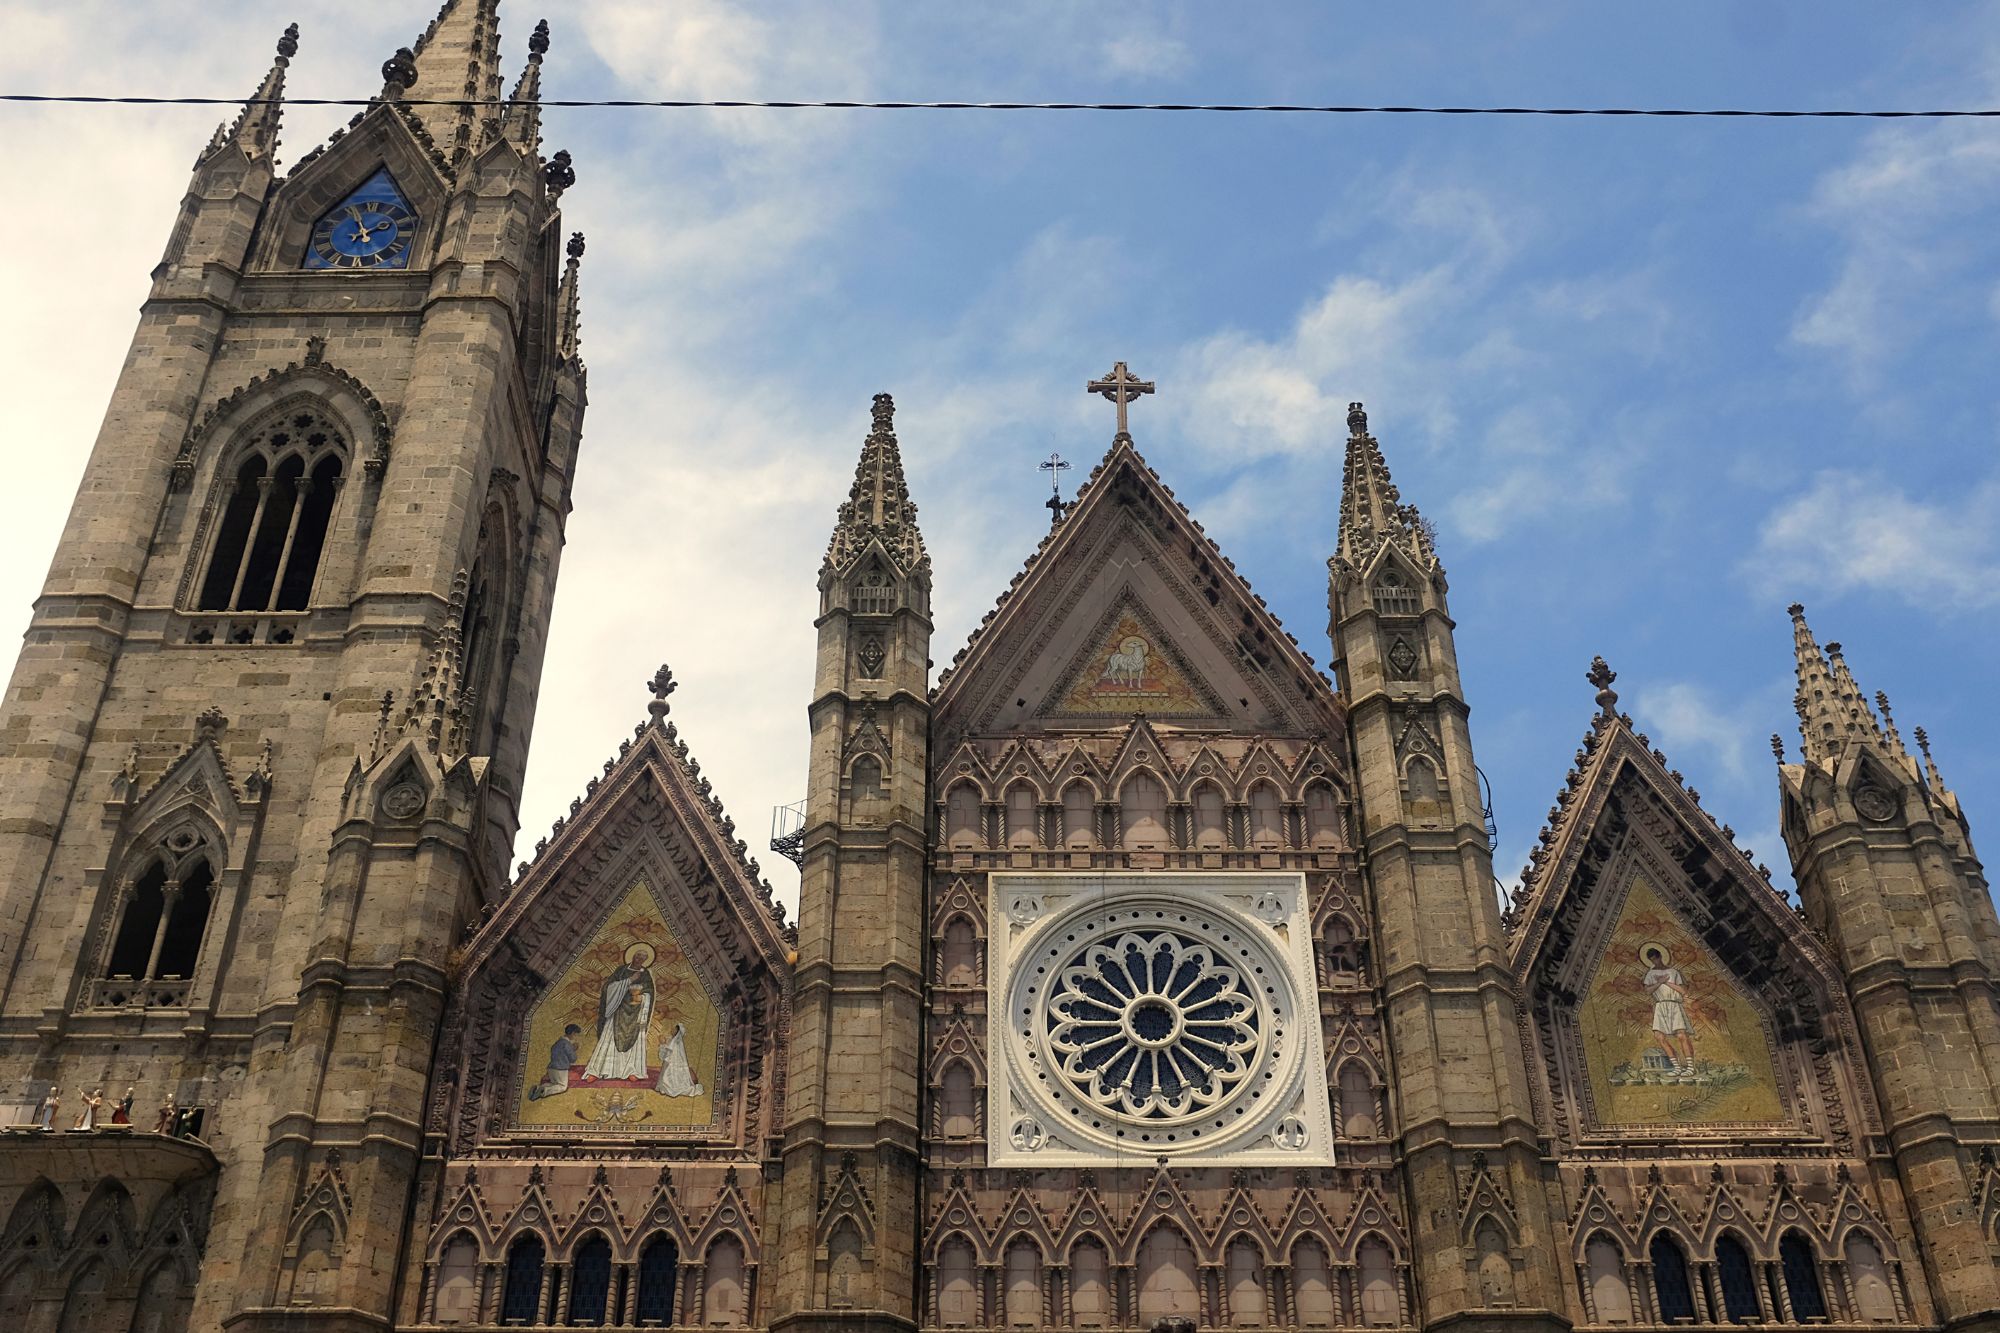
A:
1394, 596
276, 509
659, 1266
874, 595
161, 925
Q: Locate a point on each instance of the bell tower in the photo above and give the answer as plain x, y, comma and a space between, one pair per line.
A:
1887, 874
847, 1220
1453, 1034
261, 755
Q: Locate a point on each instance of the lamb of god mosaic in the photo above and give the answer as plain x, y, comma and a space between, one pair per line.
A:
626, 1039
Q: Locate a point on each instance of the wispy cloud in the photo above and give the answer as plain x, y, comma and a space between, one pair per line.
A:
1850, 532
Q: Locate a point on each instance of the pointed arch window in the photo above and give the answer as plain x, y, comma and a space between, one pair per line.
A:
1166, 1276
724, 1299
1024, 1285
1089, 1285
957, 1298
1739, 1281
1312, 1287
1322, 816
1801, 1271
958, 1104
590, 1282
1868, 1278
1211, 831
161, 924
961, 818
1079, 817
457, 1295
1021, 832
659, 1268
1381, 1298
521, 1295
1142, 811
1610, 1293
1358, 1118
958, 957
276, 510
1246, 1286
1267, 822
1672, 1292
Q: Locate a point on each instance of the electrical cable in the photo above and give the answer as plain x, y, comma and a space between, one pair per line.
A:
1278, 108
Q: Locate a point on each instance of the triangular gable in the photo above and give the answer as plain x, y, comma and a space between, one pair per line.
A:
641, 926
1676, 990
1128, 607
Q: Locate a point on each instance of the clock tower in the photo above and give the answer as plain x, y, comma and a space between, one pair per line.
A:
261, 756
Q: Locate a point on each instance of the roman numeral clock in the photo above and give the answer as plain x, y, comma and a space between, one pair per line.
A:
370, 229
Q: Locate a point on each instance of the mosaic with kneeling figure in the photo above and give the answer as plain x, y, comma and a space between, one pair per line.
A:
1667, 1036
626, 1038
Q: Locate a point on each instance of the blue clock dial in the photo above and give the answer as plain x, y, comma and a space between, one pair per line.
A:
370, 229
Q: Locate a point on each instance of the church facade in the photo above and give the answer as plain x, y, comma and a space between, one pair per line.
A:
1141, 972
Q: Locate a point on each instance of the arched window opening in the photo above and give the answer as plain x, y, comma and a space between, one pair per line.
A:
1358, 1119
1421, 776
1801, 1270
1090, 1286
1395, 595
1874, 1299
843, 1268
659, 1272
1672, 1292
318, 1267
1211, 828
1246, 1286
521, 1293
165, 1303
1267, 822
1380, 1302
1312, 1286
132, 949
457, 1296
1610, 1292
958, 1104
1021, 832
958, 958
958, 1300
590, 1282
275, 517
1142, 812
1739, 1281
864, 780
1024, 1286
180, 945
1166, 1277
1343, 954
85, 1307
961, 818
1079, 817
1322, 816
723, 1300
165, 916
1496, 1267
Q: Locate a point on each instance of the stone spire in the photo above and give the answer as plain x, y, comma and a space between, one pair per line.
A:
569, 334
458, 60
440, 705
523, 117
878, 506
1371, 510
1822, 724
256, 130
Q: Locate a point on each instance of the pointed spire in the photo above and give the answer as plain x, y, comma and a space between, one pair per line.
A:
569, 334
1821, 726
440, 705
1892, 736
523, 117
457, 60
256, 130
1931, 774
1371, 510
1856, 720
878, 505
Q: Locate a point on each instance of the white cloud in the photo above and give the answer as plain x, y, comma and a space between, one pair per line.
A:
1146, 53
1850, 532
1684, 717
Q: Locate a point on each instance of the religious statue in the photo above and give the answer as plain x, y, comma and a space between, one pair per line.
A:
45, 1118
121, 1114
676, 1078
169, 1117
87, 1117
624, 1018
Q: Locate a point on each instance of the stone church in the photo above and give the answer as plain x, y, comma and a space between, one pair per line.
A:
1141, 973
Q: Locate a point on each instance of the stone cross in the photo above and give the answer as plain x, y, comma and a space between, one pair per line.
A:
1121, 386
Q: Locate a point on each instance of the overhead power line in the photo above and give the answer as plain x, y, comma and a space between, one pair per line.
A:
1280, 108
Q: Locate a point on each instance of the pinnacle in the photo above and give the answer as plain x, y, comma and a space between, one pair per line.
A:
457, 58
878, 504
256, 130
1372, 511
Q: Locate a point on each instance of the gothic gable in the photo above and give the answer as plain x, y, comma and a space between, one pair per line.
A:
633, 984
1674, 992
1128, 608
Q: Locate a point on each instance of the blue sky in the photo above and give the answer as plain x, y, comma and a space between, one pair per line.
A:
1652, 379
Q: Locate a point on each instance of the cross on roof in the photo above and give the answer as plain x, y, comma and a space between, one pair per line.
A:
1121, 386
1055, 465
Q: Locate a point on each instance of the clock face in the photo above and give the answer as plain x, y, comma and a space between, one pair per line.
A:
360, 235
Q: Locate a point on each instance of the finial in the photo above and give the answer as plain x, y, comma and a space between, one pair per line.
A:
399, 72
1924, 743
1055, 465
1357, 420
883, 414
662, 684
560, 173
1833, 652
1778, 746
1121, 387
576, 245
1797, 610
209, 724
288, 45
538, 42
1601, 675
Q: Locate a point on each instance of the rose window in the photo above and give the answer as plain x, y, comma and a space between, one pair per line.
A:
1152, 1025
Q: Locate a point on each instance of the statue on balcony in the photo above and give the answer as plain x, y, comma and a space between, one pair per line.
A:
45, 1118
86, 1119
